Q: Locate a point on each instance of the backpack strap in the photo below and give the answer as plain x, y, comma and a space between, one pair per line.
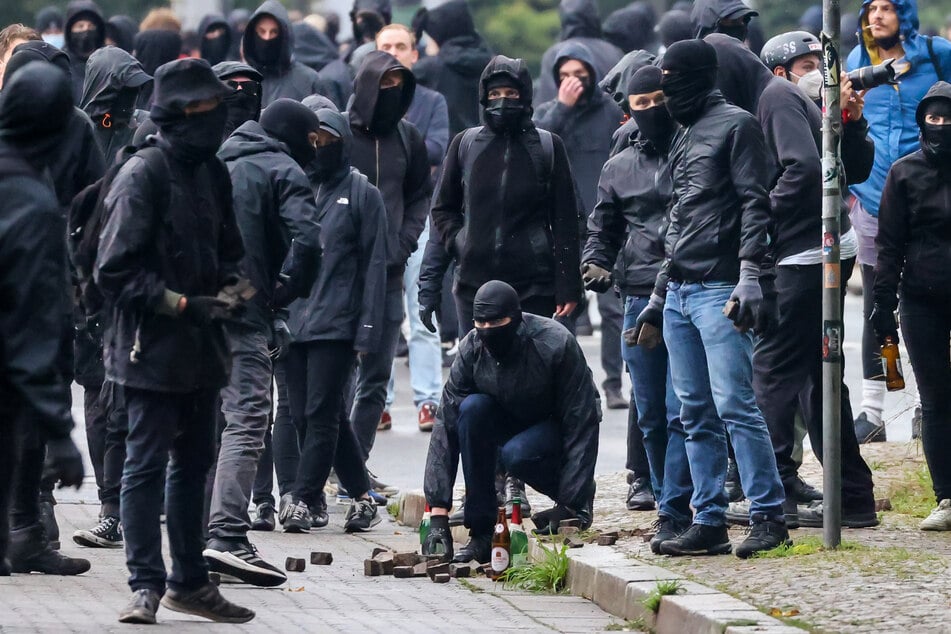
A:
934, 58
403, 128
548, 150
159, 173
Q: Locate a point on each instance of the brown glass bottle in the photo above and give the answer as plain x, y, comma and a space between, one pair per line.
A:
891, 366
501, 547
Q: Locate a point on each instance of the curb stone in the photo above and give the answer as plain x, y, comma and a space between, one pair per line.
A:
619, 585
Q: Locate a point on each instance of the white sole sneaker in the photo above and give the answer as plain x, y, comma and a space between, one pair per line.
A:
228, 564
940, 518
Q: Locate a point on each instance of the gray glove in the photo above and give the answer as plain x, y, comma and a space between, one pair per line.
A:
748, 297
648, 329
595, 278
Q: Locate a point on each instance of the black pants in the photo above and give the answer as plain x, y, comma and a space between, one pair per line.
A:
285, 441
25, 500
787, 375
446, 312
112, 402
926, 326
871, 349
9, 441
317, 376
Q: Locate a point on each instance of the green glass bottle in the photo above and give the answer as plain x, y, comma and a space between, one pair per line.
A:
519, 548
424, 525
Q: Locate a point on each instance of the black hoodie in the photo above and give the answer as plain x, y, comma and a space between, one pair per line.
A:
706, 14
286, 78
315, 50
122, 30
154, 48
211, 22
109, 71
632, 27
403, 179
81, 10
579, 23
454, 72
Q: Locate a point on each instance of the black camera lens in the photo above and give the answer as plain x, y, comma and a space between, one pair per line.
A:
871, 76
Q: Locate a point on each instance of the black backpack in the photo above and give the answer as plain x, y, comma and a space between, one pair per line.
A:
543, 157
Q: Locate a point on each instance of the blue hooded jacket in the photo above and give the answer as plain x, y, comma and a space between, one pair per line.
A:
890, 110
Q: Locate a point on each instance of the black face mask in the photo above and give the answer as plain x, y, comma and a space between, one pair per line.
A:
83, 43
268, 52
501, 340
739, 31
388, 110
195, 138
686, 93
214, 50
504, 115
327, 162
123, 107
655, 125
244, 104
936, 142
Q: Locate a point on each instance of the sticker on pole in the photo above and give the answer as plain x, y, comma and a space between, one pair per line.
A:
830, 57
831, 341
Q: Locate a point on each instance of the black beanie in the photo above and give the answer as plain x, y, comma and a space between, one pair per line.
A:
689, 56
495, 300
645, 80
290, 122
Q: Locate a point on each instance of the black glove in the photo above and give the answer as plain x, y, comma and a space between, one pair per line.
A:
547, 522
282, 295
595, 278
648, 329
748, 297
280, 339
884, 324
426, 316
439, 539
63, 464
768, 317
202, 309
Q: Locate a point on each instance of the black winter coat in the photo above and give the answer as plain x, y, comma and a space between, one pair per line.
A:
193, 248
545, 379
273, 205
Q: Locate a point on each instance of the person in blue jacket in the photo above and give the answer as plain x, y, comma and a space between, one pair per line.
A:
888, 29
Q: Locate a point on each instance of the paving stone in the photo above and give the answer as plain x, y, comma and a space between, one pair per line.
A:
321, 559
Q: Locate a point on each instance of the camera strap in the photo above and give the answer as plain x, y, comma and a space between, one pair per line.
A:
934, 58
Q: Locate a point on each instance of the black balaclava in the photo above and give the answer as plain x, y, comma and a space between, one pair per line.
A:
936, 139
331, 162
496, 300
654, 124
504, 115
35, 111
267, 52
738, 31
244, 102
290, 122
690, 76
388, 110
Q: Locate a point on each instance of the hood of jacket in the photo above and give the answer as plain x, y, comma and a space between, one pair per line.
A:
447, 21
336, 123
318, 102
249, 139
579, 18
366, 87
707, 13
632, 27
156, 47
941, 90
83, 10
214, 21
580, 52
383, 7
312, 48
122, 29
514, 68
615, 82
228, 69
47, 17
276, 10
38, 51
907, 11
108, 71
741, 75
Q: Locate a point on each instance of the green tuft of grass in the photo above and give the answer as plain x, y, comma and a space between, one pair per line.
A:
806, 546
393, 508
661, 589
914, 494
633, 625
546, 576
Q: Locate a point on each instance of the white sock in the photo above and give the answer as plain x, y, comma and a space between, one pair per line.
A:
873, 400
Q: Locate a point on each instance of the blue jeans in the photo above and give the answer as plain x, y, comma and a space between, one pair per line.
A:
529, 451
425, 353
712, 370
658, 416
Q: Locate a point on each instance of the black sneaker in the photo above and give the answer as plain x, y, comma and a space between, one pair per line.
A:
640, 495
699, 539
239, 559
141, 608
667, 528
764, 535
811, 517
734, 490
318, 515
208, 603
515, 487
296, 518
47, 518
264, 517
106, 534
479, 547
867, 432
361, 517
801, 491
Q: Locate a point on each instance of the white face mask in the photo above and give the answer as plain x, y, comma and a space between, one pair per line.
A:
56, 39
811, 84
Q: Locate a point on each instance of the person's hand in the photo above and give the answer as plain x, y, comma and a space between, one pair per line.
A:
768, 317
280, 339
426, 316
439, 539
547, 521
595, 278
884, 324
63, 463
202, 309
563, 310
748, 297
570, 91
649, 326
852, 101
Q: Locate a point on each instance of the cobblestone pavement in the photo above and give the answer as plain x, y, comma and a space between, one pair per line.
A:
336, 598
895, 578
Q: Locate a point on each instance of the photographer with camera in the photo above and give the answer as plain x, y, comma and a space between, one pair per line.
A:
887, 30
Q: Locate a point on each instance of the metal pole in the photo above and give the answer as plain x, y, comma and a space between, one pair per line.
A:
832, 280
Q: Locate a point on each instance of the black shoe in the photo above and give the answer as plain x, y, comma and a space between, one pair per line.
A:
141, 608
667, 528
4, 567
867, 431
458, 517
640, 495
48, 520
239, 559
764, 535
208, 603
791, 513
106, 534
515, 487
734, 490
801, 491
264, 518
318, 515
296, 518
614, 400
811, 517
699, 539
479, 547
916, 424
386, 490
30, 551
361, 517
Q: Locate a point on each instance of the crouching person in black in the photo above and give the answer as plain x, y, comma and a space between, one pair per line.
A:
520, 388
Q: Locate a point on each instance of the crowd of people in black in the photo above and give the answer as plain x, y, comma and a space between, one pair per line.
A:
219, 235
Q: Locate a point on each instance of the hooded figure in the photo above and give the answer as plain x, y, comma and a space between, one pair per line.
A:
615, 85
114, 82
366, 18
455, 70
283, 76
122, 29
244, 104
890, 110
218, 48
674, 26
50, 19
80, 45
237, 22
632, 27
154, 48
315, 50
579, 23
730, 17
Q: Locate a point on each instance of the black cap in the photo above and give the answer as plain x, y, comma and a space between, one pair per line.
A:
228, 69
183, 81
